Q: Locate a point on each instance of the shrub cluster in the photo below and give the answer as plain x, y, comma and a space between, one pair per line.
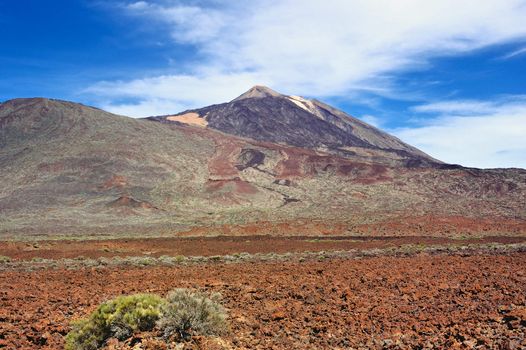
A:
182, 314
117, 318
187, 313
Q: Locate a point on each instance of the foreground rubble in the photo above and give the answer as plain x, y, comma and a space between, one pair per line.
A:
427, 301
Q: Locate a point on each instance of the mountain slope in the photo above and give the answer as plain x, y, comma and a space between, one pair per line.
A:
67, 164
265, 115
70, 169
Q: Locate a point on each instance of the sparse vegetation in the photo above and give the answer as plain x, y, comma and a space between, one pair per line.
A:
4, 259
182, 314
117, 318
179, 258
188, 313
38, 259
79, 262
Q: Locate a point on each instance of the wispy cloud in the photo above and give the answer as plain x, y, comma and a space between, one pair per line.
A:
172, 93
188, 23
371, 119
458, 107
473, 133
515, 53
323, 49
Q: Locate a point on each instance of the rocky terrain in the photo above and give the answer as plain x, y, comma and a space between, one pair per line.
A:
419, 302
70, 170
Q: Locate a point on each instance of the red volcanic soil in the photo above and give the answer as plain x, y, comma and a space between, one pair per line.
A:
296, 162
116, 181
209, 246
441, 302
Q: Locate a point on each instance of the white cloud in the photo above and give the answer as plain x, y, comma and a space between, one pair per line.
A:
144, 108
139, 5
515, 53
189, 24
492, 135
319, 48
173, 93
372, 120
463, 107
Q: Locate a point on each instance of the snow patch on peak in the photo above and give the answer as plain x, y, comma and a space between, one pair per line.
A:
299, 98
305, 104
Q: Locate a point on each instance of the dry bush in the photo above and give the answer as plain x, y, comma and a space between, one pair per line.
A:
188, 313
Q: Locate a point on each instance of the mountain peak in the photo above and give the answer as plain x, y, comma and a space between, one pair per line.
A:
30, 103
258, 91
265, 115
26, 108
18, 102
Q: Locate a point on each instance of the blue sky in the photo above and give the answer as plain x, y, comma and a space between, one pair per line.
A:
445, 76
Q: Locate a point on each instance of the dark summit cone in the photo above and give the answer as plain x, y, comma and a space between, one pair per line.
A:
265, 115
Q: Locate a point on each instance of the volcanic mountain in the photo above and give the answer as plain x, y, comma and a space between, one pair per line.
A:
263, 163
263, 114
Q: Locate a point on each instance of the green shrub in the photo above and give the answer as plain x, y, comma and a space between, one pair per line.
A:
189, 313
183, 313
4, 259
179, 258
117, 318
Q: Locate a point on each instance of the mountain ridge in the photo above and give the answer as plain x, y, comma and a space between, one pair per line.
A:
73, 169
